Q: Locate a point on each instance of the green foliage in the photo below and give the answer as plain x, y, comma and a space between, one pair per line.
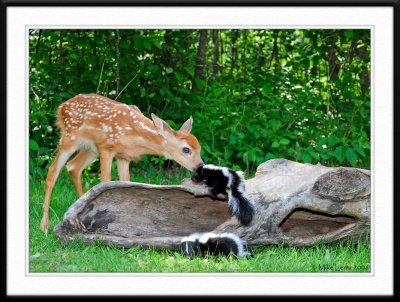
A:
259, 94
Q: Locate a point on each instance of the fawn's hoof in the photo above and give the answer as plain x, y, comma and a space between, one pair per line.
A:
44, 225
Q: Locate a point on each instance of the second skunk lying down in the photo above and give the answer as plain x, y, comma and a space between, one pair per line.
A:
199, 244
226, 181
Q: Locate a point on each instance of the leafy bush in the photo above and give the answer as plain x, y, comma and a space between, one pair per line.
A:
254, 94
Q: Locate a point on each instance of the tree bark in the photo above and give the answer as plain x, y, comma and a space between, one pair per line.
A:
364, 76
60, 48
200, 59
235, 35
215, 65
117, 57
38, 41
275, 52
333, 64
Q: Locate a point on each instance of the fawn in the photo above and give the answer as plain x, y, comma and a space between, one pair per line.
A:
97, 126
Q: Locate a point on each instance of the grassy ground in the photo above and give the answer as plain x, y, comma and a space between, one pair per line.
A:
46, 254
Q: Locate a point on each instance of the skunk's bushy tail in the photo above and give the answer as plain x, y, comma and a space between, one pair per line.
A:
240, 204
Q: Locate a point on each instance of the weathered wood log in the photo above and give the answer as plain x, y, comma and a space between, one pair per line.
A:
296, 204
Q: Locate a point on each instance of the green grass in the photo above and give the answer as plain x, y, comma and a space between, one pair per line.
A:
46, 254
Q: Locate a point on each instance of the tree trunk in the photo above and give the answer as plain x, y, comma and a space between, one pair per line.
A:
38, 41
275, 52
296, 204
200, 59
260, 61
215, 64
59, 56
117, 56
235, 34
364, 76
333, 64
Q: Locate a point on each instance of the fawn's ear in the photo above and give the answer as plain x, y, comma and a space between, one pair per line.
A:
161, 126
187, 126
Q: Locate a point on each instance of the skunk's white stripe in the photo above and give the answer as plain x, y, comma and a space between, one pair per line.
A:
187, 247
228, 175
213, 167
240, 188
206, 236
238, 241
191, 237
233, 203
241, 174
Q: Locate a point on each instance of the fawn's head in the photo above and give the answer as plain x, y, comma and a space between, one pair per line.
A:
180, 145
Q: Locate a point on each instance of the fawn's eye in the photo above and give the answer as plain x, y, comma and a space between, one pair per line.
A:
186, 150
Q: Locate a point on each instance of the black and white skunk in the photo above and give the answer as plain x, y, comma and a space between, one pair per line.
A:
226, 181
199, 244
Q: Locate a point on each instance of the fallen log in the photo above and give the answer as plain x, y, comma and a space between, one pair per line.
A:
296, 204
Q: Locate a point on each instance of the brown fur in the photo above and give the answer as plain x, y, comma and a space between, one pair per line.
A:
97, 126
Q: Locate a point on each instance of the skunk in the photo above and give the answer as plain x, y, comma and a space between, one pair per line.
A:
199, 244
231, 183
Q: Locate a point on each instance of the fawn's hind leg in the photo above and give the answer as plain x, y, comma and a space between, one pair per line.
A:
123, 169
76, 165
65, 150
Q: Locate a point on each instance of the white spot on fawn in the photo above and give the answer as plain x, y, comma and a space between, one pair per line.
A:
147, 128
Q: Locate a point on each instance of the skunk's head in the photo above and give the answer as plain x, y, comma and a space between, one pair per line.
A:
189, 247
198, 175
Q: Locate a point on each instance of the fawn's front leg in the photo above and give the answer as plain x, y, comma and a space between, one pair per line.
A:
106, 158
